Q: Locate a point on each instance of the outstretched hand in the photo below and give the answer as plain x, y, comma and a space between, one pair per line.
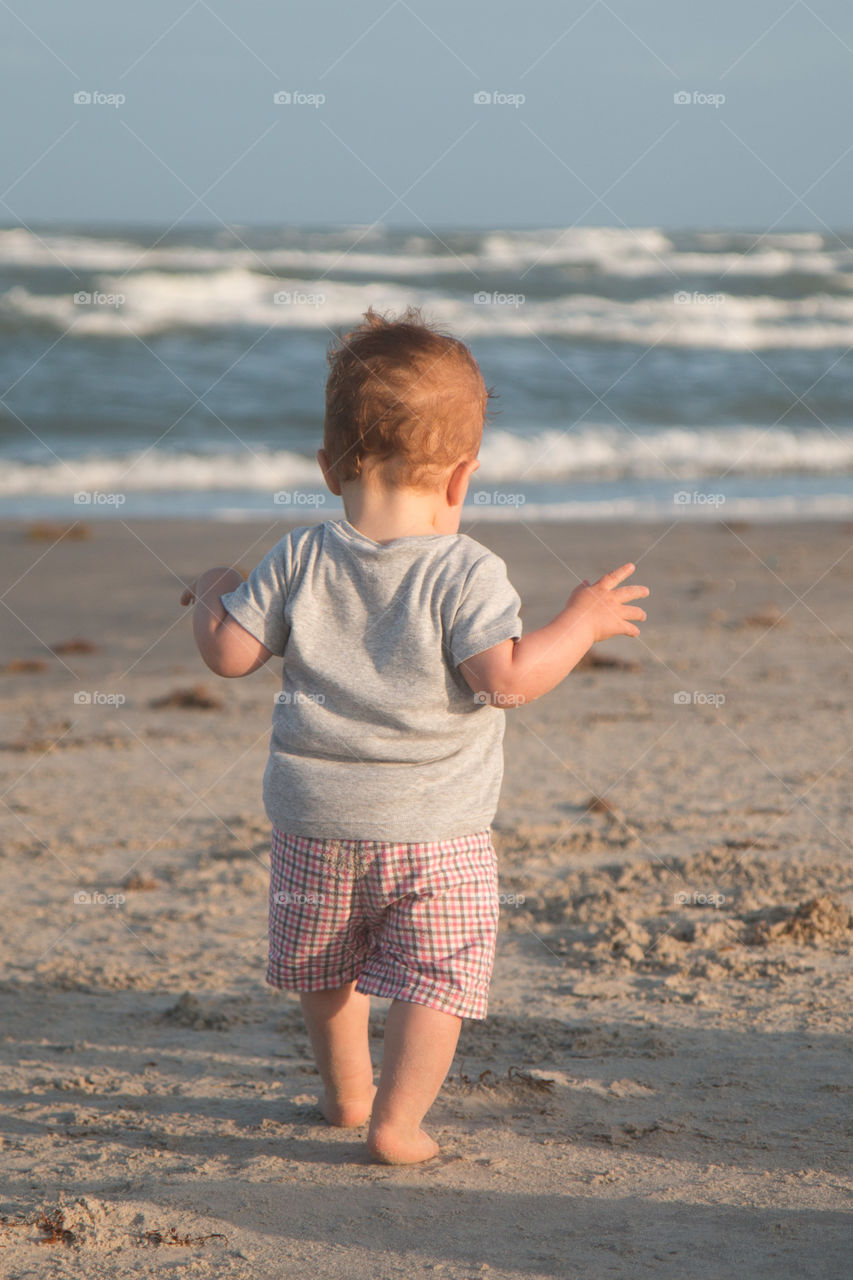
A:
189, 594
604, 607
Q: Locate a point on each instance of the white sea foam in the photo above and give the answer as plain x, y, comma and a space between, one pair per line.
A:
593, 453
607, 453
359, 255
155, 470
634, 252
152, 302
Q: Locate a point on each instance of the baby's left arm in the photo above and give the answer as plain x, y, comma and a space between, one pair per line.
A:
226, 647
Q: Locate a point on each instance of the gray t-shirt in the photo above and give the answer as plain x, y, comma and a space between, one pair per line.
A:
375, 734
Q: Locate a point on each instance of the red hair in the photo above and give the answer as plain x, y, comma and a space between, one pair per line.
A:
405, 394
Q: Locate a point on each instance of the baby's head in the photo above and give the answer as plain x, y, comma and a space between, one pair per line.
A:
404, 402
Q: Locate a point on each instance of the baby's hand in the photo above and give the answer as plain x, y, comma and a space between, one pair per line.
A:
604, 607
189, 594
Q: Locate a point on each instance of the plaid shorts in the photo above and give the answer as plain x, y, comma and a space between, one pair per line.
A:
414, 922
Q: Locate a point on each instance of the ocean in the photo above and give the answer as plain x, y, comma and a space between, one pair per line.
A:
641, 373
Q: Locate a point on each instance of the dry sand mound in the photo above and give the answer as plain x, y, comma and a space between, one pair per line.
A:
822, 919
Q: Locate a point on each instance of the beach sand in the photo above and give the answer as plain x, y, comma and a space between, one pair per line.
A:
662, 1086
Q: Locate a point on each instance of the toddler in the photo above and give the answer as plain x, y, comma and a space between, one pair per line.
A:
401, 644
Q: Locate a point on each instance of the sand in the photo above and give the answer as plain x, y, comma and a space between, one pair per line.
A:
662, 1085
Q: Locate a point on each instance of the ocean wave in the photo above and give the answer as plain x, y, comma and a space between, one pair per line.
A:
593, 453
160, 471
158, 302
20, 248
605, 452
633, 253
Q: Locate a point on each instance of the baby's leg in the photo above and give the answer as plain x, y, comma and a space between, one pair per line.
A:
419, 1048
337, 1025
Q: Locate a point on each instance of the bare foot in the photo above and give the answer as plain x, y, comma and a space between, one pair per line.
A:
349, 1114
390, 1147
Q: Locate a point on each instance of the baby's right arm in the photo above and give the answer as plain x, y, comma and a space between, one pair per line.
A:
521, 670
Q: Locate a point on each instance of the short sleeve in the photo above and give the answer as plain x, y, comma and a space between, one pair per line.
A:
258, 603
488, 610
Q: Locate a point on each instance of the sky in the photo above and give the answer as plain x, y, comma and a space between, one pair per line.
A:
452, 113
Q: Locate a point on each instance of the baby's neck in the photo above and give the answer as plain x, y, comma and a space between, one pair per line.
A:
384, 514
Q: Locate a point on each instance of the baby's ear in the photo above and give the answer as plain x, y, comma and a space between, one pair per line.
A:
332, 481
457, 485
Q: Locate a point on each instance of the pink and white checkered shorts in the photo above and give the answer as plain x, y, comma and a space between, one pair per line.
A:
415, 922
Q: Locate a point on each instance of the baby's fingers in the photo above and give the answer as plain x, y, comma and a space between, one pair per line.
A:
632, 592
615, 576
